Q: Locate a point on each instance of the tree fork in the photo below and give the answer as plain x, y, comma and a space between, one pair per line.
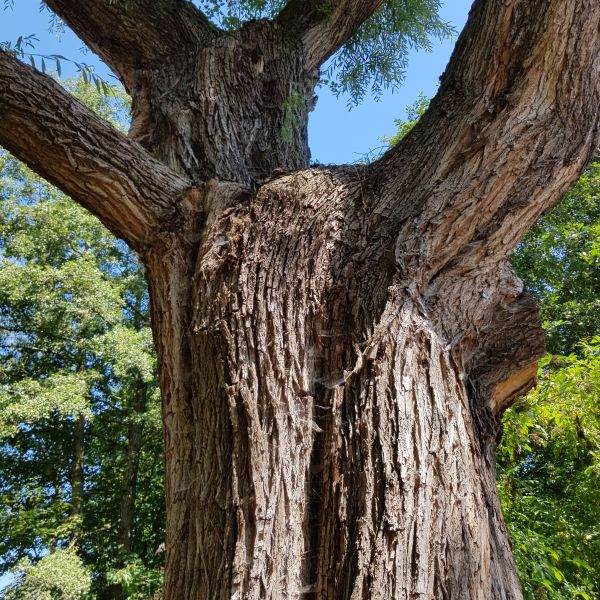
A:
336, 345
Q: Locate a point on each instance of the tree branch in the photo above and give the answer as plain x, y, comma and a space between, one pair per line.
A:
515, 121
134, 33
60, 139
324, 25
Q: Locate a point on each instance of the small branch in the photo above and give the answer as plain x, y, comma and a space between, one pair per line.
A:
134, 33
60, 139
325, 25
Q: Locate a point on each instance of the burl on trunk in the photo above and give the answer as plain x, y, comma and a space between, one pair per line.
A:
336, 344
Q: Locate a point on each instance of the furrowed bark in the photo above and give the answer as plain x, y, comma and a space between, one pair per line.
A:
481, 167
350, 350
324, 26
133, 195
494, 169
135, 34
184, 113
331, 448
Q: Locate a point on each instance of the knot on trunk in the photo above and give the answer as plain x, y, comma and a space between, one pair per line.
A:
493, 329
504, 365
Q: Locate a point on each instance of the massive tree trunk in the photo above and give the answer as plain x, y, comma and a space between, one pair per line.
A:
336, 345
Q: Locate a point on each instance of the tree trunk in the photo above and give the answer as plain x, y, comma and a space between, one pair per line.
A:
336, 346
77, 461
135, 432
324, 438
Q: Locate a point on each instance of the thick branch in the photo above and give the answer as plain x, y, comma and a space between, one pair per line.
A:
67, 144
324, 25
127, 34
516, 120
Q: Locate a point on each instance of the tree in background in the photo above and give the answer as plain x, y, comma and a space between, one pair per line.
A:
80, 447
560, 264
336, 345
549, 457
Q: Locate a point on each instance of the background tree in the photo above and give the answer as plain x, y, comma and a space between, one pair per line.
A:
336, 345
80, 452
549, 458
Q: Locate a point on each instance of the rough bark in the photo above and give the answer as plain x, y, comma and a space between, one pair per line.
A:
134, 195
346, 456
183, 114
336, 345
135, 34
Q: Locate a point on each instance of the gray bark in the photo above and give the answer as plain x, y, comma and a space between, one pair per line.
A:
337, 345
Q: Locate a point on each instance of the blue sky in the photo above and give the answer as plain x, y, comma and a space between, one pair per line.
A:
336, 134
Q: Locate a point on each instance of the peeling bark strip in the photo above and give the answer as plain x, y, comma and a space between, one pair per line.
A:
336, 345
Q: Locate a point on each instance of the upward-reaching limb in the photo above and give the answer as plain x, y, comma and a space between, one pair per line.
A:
54, 134
134, 33
324, 26
516, 119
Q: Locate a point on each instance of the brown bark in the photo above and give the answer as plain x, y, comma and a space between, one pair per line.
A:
135, 34
183, 114
134, 195
336, 345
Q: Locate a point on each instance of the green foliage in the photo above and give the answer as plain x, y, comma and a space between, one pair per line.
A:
23, 48
560, 263
414, 112
136, 580
74, 341
375, 58
60, 575
549, 458
232, 14
549, 477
